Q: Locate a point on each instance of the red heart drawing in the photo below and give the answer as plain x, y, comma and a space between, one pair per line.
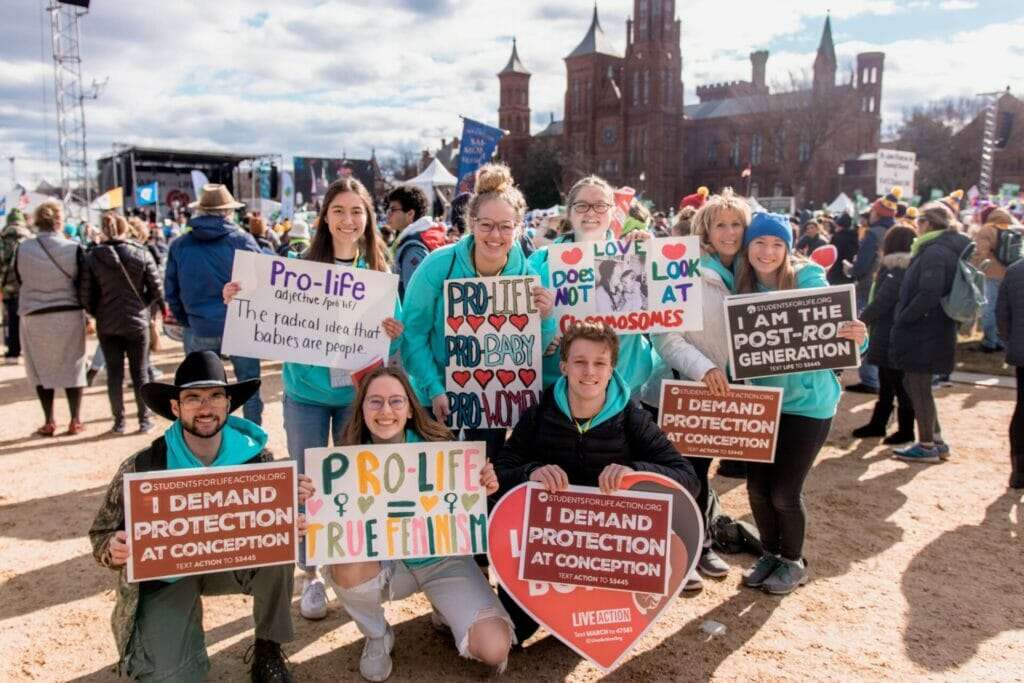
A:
564, 610
455, 322
506, 377
825, 256
461, 377
475, 321
313, 505
673, 251
520, 321
527, 376
572, 256
496, 321
483, 377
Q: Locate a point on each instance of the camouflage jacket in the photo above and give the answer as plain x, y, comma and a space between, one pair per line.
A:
10, 238
110, 519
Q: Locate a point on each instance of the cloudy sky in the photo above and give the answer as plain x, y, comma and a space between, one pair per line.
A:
323, 77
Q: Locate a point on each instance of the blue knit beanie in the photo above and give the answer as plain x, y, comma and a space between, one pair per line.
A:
769, 225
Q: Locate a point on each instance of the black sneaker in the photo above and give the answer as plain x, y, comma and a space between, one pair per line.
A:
899, 439
268, 662
861, 388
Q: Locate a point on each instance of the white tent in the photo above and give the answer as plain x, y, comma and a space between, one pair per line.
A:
434, 176
842, 204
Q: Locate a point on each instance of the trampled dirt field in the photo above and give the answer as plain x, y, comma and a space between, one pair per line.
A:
917, 571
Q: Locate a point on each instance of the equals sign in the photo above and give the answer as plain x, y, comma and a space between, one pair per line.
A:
401, 508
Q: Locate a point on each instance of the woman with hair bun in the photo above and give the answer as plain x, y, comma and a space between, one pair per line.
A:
494, 217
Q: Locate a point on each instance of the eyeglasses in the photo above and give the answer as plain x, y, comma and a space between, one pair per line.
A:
487, 227
396, 403
216, 401
601, 208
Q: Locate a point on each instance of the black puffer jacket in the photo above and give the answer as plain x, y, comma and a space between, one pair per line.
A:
923, 336
109, 298
1010, 313
546, 436
880, 313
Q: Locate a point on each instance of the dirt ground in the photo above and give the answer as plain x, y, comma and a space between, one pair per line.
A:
917, 571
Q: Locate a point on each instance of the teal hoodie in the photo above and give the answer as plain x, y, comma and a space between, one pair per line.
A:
311, 384
711, 262
814, 393
616, 398
636, 356
241, 441
423, 350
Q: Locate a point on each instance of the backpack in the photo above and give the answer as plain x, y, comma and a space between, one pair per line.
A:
967, 295
1009, 245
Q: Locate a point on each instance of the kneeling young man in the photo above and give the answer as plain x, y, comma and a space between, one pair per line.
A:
158, 625
586, 431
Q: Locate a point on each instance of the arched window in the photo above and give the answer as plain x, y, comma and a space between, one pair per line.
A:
647, 86
734, 152
755, 149
874, 74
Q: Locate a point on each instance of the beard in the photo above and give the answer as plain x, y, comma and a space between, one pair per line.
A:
206, 432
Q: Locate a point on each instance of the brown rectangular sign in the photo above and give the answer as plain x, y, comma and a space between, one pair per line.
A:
582, 537
742, 425
203, 520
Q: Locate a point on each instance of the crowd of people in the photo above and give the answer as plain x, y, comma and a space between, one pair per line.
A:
596, 419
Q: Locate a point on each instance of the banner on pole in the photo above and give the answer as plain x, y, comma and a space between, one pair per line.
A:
396, 502
147, 195
205, 519
287, 195
476, 148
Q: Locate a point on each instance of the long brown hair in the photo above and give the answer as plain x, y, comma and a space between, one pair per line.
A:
746, 278
356, 432
370, 244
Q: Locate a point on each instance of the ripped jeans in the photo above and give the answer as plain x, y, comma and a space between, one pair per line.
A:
455, 587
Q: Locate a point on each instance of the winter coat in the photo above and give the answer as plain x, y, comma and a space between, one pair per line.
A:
879, 313
1010, 313
845, 242
11, 236
413, 244
198, 266
107, 295
867, 255
110, 519
987, 240
923, 336
47, 286
545, 435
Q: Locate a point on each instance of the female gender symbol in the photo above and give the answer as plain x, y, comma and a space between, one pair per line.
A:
451, 498
340, 501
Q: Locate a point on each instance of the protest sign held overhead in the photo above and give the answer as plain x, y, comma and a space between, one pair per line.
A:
493, 350
309, 312
778, 333
395, 502
582, 537
195, 521
601, 624
635, 286
742, 425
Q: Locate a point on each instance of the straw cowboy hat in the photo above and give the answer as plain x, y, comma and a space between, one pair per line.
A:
215, 197
199, 370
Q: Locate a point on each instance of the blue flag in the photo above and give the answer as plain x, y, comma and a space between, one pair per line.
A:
147, 194
475, 150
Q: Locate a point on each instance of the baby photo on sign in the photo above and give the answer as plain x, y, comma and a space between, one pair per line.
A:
621, 284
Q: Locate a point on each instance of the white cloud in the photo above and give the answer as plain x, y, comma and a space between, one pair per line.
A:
958, 4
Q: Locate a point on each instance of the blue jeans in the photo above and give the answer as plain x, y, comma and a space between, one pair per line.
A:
988, 315
245, 368
868, 373
310, 426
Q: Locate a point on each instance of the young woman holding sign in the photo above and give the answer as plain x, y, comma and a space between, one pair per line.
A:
317, 399
462, 599
590, 203
703, 356
809, 401
495, 215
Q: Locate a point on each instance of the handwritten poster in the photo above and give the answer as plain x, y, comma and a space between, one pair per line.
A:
395, 502
742, 425
309, 312
778, 333
493, 350
635, 286
201, 520
582, 537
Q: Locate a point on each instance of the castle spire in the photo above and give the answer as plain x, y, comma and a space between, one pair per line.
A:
595, 42
514, 66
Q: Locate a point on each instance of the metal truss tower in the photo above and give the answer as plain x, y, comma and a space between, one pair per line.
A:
67, 71
988, 144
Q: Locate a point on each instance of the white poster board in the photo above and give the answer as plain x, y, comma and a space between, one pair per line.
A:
894, 167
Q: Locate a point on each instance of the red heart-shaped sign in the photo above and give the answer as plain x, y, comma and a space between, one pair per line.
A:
673, 251
475, 321
520, 321
572, 256
496, 321
506, 377
527, 376
568, 612
455, 322
825, 256
461, 377
483, 377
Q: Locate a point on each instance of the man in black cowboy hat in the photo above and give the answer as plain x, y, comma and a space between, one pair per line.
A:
158, 624
198, 266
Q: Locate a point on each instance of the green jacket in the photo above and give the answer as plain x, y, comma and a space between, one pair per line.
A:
110, 519
11, 236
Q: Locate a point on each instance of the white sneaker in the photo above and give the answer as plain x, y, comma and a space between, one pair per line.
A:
313, 604
693, 583
375, 662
